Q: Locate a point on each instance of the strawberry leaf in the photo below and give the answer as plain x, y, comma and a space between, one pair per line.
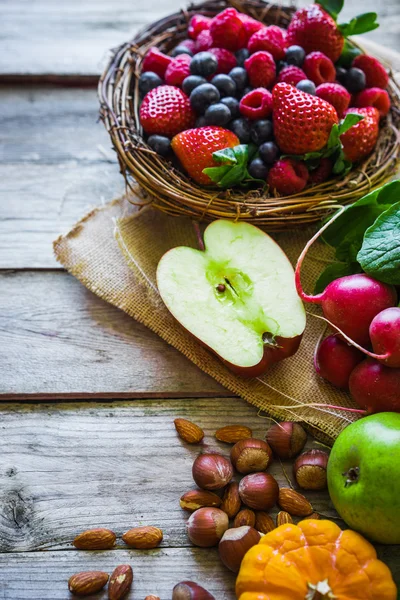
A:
333, 7
225, 156
360, 24
216, 173
349, 53
234, 176
350, 120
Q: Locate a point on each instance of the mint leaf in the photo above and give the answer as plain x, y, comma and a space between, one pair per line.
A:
226, 155
360, 24
350, 120
216, 173
380, 251
334, 271
333, 7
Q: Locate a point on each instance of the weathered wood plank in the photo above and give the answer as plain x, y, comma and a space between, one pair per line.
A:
59, 340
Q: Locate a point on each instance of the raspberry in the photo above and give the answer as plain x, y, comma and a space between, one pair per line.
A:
257, 104
156, 61
322, 172
189, 44
178, 70
288, 176
335, 94
250, 25
197, 24
319, 68
226, 59
227, 30
374, 97
270, 39
375, 73
166, 110
261, 69
204, 41
292, 75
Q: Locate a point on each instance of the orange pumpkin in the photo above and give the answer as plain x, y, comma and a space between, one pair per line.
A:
314, 560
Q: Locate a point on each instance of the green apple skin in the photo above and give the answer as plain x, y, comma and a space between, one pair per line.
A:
371, 504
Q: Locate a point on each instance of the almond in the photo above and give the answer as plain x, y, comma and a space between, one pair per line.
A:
231, 502
188, 431
120, 582
294, 503
95, 539
264, 523
143, 537
313, 515
231, 434
283, 517
195, 499
87, 582
152, 598
245, 517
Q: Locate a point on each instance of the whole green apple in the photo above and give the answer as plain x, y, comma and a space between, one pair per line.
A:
364, 476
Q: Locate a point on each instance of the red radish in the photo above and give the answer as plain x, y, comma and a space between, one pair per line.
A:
375, 387
334, 360
384, 332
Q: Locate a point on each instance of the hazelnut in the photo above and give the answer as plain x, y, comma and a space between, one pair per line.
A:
206, 526
194, 499
188, 590
251, 455
212, 471
310, 469
234, 545
259, 491
231, 502
245, 517
286, 439
264, 523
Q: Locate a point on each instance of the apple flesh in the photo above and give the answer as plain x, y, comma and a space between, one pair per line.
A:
237, 297
364, 474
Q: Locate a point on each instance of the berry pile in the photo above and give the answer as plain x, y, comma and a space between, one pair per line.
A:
282, 94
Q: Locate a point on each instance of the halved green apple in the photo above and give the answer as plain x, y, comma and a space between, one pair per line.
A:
237, 297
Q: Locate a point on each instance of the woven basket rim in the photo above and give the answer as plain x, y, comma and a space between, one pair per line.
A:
170, 190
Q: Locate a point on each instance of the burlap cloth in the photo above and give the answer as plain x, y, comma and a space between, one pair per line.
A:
114, 252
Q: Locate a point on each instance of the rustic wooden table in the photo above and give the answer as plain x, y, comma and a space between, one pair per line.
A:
88, 395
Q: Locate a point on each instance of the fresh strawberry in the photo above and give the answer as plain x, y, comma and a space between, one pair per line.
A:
227, 30
189, 44
156, 61
269, 39
322, 172
319, 68
197, 24
261, 69
226, 59
335, 94
288, 176
257, 104
166, 110
250, 25
195, 148
302, 122
374, 97
204, 41
178, 70
314, 29
360, 140
375, 73
292, 75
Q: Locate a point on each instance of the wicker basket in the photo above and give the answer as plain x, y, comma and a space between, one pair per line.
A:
172, 191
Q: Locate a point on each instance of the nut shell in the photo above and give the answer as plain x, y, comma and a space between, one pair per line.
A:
259, 491
95, 539
234, 545
294, 503
206, 526
251, 455
188, 590
212, 471
145, 538
233, 433
286, 439
310, 470
231, 502
120, 582
87, 582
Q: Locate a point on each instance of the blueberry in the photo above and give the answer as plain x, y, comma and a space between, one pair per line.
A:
218, 114
241, 128
261, 131
191, 82
181, 50
295, 55
159, 144
258, 169
224, 84
280, 64
203, 96
341, 74
148, 81
239, 76
233, 105
245, 91
201, 121
307, 86
355, 80
241, 56
268, 152
204, 64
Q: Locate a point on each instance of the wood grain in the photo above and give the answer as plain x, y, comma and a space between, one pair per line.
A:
59, 340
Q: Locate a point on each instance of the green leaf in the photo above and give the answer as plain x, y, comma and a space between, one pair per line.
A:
226, 156
234, 176
349, 53
216, 173
360, 24
333, 7
349, 120
241, 153
334, 271
380, 252
333, 139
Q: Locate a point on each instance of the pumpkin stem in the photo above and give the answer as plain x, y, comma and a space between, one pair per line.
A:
320, 591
